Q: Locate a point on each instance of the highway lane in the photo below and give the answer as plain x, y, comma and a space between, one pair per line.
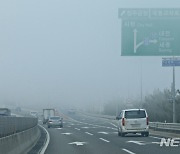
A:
92, 135
68, 140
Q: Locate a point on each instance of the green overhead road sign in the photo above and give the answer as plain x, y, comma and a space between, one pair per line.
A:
150, 32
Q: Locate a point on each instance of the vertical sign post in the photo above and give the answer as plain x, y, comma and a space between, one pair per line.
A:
172, 62
174, 95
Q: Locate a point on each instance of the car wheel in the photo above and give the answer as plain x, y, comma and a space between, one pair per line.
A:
122, 134
119, 133
146, 134
142, 134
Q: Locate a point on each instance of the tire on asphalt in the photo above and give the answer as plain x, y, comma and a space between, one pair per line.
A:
119, 133
122, 134
146, 134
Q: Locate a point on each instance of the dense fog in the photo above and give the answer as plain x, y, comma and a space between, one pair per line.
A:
67, 54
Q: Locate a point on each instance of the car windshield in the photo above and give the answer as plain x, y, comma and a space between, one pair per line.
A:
135, 114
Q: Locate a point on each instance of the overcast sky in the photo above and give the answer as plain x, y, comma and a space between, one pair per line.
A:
56, 52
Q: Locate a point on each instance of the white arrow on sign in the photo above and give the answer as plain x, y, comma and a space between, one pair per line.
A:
78, 143
122, 13
135, 33
66, 133
153, 41
136, 46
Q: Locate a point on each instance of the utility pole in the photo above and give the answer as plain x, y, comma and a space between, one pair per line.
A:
141, 81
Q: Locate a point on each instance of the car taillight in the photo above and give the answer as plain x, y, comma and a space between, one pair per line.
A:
147, 121
123, 121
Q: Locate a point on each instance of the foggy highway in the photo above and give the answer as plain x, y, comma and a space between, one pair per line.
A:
92, 135
64, 59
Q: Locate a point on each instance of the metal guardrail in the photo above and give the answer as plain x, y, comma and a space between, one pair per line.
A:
172, 127
157, 126
12, 125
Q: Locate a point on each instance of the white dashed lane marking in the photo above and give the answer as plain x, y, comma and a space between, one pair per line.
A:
104, 140
114, 128
113, 124
66, 133
85, 127
155, 137
78, 143
77, 128
103, 133
137, 142
58, 128
130, 152
88, 133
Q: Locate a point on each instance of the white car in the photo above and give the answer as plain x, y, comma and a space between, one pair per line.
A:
133, 121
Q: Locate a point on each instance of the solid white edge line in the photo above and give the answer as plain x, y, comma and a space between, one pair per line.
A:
104, 140
47, 141
88, 133
130, 152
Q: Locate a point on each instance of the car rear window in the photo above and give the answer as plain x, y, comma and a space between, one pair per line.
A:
55, 118
135, 114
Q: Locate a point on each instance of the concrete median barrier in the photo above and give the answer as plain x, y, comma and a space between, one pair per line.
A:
19, 143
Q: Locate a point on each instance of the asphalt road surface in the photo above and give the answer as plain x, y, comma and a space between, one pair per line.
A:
83, 134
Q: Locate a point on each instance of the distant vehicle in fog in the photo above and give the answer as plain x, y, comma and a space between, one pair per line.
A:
34, 114
5, 112
72, 111
55, 121
47, 113
18, 109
